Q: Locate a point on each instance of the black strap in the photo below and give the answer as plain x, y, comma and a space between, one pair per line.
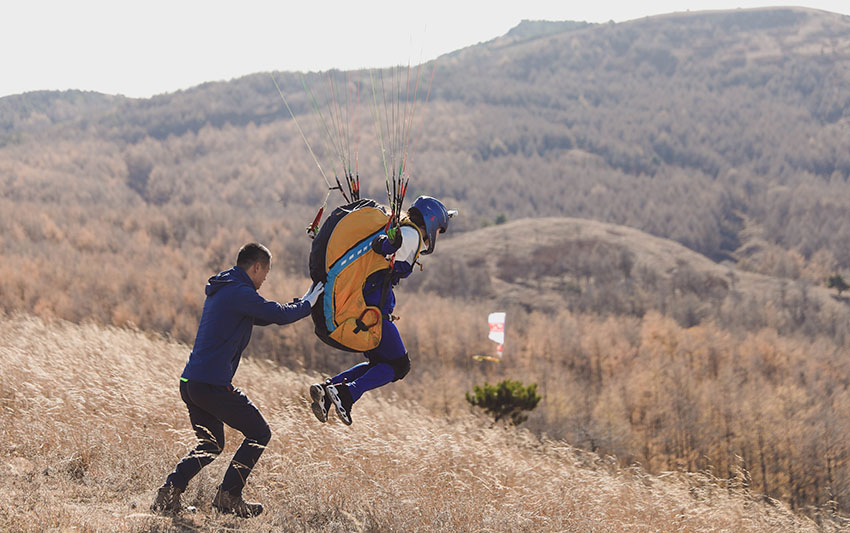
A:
385, 291
362, 326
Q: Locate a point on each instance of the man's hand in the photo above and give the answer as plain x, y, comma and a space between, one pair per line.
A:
314, 292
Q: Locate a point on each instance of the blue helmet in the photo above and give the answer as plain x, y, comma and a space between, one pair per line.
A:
435, 216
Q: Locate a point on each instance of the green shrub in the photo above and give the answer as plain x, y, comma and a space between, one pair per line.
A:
837, 282
506, 401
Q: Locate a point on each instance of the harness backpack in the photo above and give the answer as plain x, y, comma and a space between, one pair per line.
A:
342, 258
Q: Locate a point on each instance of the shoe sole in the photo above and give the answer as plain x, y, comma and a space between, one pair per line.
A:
317, 393
169, 509
340, 410
234, 512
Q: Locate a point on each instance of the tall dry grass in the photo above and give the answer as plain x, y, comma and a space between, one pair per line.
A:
91, 422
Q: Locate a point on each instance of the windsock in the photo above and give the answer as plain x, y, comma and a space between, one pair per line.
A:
497, 330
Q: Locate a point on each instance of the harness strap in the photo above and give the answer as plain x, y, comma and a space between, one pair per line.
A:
362, 326
385, 291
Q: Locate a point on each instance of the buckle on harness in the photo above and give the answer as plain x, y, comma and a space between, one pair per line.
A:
361, 325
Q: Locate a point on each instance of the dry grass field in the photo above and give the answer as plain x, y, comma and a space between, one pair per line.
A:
91, 422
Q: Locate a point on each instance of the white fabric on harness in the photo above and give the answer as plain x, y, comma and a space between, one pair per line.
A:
409, 245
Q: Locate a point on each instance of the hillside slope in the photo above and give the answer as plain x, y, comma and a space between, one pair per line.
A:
685, 126
673, 124
551, 264
91, 422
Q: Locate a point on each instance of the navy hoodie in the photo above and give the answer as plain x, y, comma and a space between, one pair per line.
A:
231, 310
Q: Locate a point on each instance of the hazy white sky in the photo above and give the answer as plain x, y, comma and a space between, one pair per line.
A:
139, 49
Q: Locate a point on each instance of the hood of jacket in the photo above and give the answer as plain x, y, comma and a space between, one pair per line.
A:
230, 277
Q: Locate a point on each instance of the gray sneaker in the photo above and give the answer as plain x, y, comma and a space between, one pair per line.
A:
321, 401
341, 398
168, 501
225, 502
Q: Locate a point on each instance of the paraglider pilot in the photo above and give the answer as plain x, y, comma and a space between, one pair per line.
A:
389, 361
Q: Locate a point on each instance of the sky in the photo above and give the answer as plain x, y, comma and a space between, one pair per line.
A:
140, 49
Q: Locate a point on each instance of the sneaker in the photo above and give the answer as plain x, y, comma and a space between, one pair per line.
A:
341, 398
225, 502
168, 500
321, 401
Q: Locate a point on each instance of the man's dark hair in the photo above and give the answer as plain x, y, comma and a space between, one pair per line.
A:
251, 253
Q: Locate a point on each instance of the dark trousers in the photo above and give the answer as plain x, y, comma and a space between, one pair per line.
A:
210, 407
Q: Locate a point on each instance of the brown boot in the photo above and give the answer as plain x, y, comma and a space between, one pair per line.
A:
168, 500
225, 502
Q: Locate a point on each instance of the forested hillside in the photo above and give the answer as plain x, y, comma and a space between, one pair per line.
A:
724, 131
605, 269
701, 159
650, 352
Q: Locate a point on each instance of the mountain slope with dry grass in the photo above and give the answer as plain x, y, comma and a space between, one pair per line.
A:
590, 266
92, 422
554, 239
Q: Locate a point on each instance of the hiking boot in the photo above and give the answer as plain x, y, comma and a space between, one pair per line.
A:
168, 500
341, 398
321, 401
225, 502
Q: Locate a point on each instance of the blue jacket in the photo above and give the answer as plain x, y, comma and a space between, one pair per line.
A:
231, 310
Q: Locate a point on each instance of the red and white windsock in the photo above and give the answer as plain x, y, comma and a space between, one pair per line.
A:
497, 330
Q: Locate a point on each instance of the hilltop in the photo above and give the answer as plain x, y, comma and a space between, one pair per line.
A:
551, 264
92, 422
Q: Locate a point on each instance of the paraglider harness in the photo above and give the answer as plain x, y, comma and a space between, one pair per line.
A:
341, 257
